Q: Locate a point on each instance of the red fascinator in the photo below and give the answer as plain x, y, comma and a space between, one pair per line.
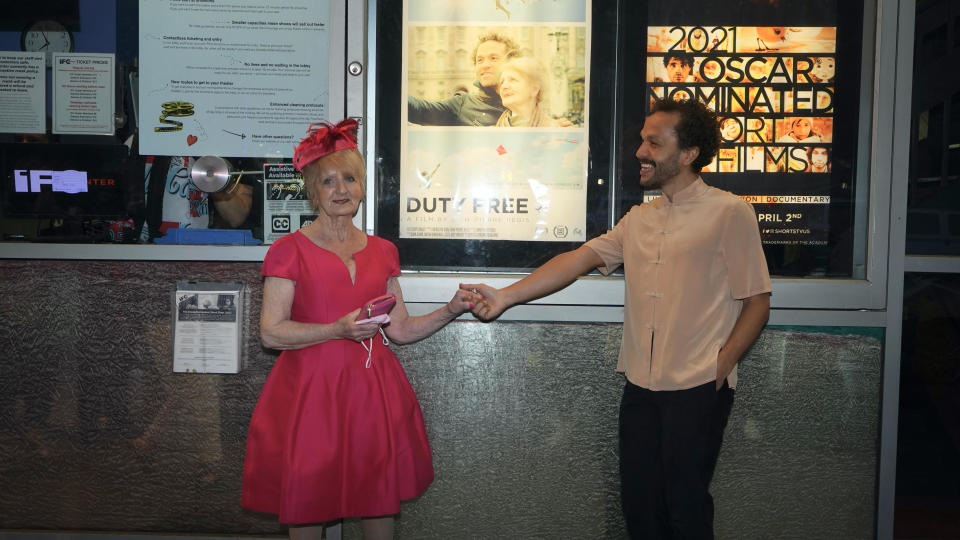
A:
322, 139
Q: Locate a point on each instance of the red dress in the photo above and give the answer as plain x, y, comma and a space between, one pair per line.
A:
329, 437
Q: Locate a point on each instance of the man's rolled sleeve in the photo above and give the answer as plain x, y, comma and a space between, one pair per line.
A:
609, 246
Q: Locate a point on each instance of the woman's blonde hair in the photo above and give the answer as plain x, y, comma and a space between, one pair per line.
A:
533, 71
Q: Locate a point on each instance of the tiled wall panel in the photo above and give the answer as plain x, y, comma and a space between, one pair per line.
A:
97, 433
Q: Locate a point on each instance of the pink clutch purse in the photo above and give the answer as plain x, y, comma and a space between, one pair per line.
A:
380, 305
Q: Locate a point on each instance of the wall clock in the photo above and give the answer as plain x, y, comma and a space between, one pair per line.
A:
46, 36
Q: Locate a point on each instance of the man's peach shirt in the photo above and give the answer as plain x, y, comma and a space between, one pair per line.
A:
688, 265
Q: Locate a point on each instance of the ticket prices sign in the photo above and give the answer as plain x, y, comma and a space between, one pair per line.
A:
774, 91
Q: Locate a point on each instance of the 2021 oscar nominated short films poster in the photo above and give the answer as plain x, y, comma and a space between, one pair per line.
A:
774, 89
493, 120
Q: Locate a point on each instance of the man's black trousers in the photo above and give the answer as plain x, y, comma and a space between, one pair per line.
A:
669, 443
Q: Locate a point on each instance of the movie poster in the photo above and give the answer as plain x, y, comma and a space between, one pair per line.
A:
494, 131
774, 89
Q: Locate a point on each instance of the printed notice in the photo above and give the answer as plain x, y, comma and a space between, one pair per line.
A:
207, 328
23, 92
238, 78
83, 93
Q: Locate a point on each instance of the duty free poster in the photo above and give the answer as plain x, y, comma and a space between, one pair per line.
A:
494, 120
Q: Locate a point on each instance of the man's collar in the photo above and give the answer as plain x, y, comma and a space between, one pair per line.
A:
690, 192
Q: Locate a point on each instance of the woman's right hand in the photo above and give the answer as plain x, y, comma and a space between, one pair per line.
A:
347, 327
492, 303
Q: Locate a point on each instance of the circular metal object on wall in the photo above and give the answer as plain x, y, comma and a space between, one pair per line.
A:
210, 174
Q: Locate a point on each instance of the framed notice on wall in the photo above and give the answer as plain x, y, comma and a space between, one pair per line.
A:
208, 327
83, 93
784, 80
22, 92
484, 153
238, 78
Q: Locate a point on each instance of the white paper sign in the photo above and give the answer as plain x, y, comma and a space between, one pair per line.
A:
22, 92
83, 93
238, 78
207, 328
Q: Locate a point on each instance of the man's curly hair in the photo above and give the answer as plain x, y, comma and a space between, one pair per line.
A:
513, 50
698, 127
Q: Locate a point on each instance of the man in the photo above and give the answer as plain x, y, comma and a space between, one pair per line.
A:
482, 107
819, 159
678, 66
697, 295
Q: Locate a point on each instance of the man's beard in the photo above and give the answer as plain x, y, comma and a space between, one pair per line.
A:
662, 171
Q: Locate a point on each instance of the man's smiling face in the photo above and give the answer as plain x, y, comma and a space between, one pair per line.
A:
659, 153
490, 58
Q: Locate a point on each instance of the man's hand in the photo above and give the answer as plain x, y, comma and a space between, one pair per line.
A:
725, 365
492, 303
753, 317
554, 275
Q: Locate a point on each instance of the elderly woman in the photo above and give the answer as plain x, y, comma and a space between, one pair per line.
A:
523, 83
337, 431
818, 158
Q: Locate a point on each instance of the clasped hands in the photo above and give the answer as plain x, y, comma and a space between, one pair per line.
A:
489, 302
